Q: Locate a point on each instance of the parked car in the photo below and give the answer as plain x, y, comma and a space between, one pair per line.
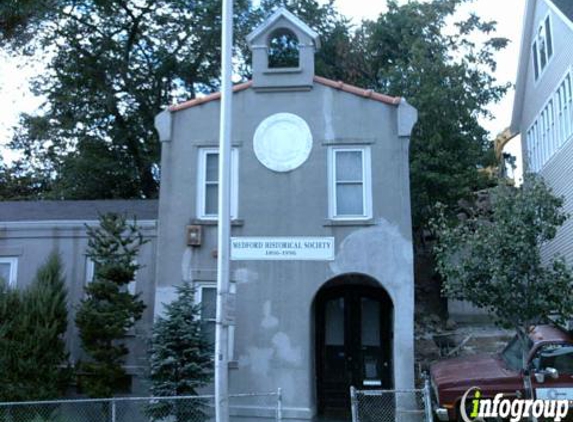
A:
550, 369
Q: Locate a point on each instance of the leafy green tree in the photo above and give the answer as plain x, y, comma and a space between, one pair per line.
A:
107, 313
493, 258
33, 323
180, 357
21, 19
112, 66
410, 51
17, 184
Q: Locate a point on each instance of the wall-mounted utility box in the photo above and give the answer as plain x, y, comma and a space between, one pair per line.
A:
193, 235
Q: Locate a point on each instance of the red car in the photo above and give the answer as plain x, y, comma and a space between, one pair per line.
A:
549, 367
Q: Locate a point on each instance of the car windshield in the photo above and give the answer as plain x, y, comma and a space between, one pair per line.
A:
513, 354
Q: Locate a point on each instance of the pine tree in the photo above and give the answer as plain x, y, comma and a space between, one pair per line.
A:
107, 313
33, 323
180, 357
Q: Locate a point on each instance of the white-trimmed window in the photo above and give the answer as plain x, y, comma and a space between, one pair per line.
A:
9, 269
350, 185
552, 127
208, 183
564, 106
206, 296
90, 272
542, 47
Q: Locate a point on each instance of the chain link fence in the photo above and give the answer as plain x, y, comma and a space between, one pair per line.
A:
143, 409
391, 405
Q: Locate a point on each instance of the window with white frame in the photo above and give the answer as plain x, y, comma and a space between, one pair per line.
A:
564, 105
350, 191
206, 296
208, 183
553, 127
542, 47
9, 270
90, 273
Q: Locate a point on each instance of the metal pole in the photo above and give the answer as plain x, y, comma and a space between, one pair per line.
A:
354, 404
279, 405
113, 415
224, 227
428, 400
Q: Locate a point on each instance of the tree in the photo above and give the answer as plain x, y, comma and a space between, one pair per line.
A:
107, 313
493, 259
409, 51
33, 322
20, 19
180, 357
18, 184
113, 66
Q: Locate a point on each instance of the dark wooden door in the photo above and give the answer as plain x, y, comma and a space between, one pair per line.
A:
353, 343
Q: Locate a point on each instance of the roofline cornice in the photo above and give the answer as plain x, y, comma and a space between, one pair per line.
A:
523, 62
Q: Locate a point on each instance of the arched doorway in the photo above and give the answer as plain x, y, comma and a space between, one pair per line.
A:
353, 345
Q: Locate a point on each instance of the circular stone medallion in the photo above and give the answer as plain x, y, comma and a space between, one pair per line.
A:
282, 142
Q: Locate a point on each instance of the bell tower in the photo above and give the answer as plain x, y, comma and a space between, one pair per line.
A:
283, 50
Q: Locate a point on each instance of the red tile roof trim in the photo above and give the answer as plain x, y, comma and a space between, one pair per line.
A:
208, 98
366, 93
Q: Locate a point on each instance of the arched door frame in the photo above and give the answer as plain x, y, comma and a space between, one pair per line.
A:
337, 366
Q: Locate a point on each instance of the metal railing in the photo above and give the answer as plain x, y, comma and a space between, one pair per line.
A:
143, 409
391, 405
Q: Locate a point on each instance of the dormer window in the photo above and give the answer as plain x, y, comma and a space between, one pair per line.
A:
283, 49
542, 48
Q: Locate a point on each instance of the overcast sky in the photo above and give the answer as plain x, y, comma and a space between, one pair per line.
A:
15, 72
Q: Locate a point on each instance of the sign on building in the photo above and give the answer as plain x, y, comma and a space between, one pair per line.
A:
282, 248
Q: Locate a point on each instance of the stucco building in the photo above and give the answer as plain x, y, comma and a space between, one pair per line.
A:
322, 256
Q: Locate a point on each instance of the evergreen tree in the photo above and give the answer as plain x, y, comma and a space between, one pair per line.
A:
10, 305
180, 358
108, 312
33, 323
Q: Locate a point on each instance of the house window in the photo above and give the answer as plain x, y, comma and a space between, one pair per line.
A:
542, 47
534, 148
350, 183
90, 273
9, 270
553, 127
206, 296
208, 183
564, 105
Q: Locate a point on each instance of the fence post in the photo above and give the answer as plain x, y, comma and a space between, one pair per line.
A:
354, 404
428, 399
279, 405
113, 410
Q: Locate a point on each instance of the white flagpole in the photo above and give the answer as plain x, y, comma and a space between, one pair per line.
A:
224, 227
